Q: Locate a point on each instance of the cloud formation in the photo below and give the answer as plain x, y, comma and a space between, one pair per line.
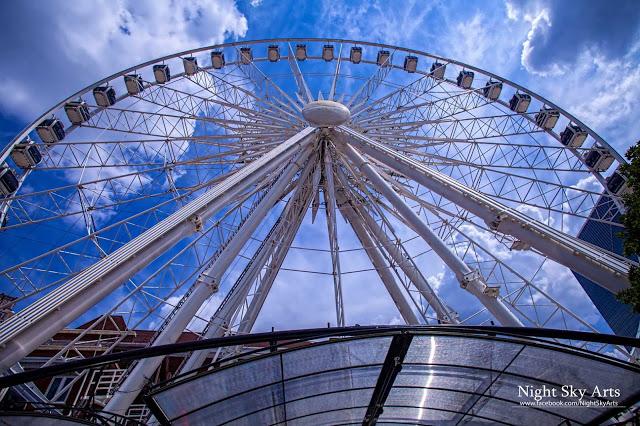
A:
59, 47
561, 32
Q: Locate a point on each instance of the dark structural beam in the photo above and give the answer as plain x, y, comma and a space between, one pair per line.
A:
390, 369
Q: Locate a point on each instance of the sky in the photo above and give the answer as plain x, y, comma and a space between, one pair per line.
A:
584, 56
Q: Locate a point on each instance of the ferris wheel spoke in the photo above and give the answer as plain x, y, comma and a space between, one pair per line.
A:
546, 196
386, 239
274, 242
365, 92
159, 124
157, 299
191, 104
328, 191
464, 128
118, 189
268, 89
601, 266
304, 94
427, 106
467, 277
269, 104
294, 214
493, 154
205, 285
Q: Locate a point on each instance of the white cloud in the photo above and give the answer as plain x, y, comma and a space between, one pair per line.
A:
540, 26
513, 14
71, 45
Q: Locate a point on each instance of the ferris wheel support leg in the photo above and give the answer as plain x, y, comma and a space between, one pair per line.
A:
22, 333
468, 278
332, 228
600, 266
412, 272
206, 284
373, 252
296, 210
238, 293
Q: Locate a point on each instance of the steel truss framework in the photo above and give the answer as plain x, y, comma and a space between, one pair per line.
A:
196, 187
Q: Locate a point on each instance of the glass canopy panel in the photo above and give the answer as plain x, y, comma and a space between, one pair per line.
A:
332, 381
335, 355
443, 379
236, 407
207, 389
511, 388
328, 402
468, 351
581, 372
423, 416
348, 416
509, 412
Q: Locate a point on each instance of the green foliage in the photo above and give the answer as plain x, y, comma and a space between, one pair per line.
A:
631, 221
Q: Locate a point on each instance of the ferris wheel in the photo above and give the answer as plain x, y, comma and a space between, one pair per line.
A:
175, 194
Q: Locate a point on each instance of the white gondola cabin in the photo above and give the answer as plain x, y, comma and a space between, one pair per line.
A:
217, 60
77, 112
26, 154
520, 102
134, 83
190, 65
465, 79
327, 52
273, 53
437, 70
617, 184
598, 158
573, 136
301, 52
246, 56
410, 63
51, 130
105, 96
161, 73
547, 118
355, 56
492, 90
384, 58
8, 181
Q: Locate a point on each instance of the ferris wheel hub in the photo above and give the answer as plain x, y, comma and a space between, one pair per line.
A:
326, 113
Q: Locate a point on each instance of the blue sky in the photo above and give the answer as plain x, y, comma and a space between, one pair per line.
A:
584, 56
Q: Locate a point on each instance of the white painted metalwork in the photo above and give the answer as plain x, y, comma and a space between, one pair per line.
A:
150, 192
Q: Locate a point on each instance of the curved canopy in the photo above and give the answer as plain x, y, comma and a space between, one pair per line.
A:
410, 377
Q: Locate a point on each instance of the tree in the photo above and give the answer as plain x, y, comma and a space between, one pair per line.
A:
631, 221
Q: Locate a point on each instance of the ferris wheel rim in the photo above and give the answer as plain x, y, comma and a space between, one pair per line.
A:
27, 130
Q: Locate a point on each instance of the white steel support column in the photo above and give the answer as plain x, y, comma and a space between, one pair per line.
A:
27, 329
409, 269
240, 290
332, 228
602, 267
296, 209
379, 264
468, 278
206, 284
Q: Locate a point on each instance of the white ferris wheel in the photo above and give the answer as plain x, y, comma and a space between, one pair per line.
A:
177, 193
